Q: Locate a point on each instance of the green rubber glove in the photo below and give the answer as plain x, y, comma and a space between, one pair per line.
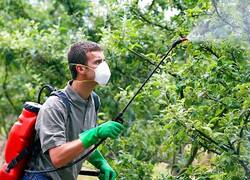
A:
107, 173
109, 129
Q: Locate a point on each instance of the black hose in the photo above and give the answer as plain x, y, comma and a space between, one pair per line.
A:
49, 88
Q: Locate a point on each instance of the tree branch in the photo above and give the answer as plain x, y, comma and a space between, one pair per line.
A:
192, 156
242, 132
210, 50
149, 60
206, 95
219, 15
234, 60
144, 19
208, 149
223, 146
245, 166
112, 153
152, 4
245, 17
70, 8
143, 57
4, 86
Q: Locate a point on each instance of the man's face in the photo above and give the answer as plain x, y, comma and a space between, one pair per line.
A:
94, 59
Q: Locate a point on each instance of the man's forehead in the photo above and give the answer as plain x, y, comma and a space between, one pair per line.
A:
95, 55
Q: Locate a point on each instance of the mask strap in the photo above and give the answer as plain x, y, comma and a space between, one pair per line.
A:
84, 81
85, 66
82, 65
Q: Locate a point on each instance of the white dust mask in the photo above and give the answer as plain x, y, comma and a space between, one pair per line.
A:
102, 73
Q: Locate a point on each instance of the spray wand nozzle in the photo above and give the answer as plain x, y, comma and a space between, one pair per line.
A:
178, 41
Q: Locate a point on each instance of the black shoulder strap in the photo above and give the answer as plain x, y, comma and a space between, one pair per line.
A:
63, 97
17, 159
96, 101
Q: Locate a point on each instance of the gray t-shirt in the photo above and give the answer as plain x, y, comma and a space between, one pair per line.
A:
54, 127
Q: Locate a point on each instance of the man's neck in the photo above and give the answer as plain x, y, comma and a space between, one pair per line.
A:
83, 89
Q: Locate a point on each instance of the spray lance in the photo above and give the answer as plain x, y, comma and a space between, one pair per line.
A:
175, 43
118, 118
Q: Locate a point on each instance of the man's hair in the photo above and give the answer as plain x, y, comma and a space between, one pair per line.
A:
77, 54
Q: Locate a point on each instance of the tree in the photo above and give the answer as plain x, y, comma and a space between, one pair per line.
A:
198, 103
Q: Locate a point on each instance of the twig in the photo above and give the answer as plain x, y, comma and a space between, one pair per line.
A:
70, 8
192, 156
219, 15
234, 60
152, 4
143, 18
241, 132
207, 148
245, 17
149, 60
223, 147
5, 88
245, 166
142, 56
212, 98
209, 49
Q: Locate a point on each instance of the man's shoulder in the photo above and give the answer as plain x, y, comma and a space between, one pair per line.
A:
54, 102
52, 107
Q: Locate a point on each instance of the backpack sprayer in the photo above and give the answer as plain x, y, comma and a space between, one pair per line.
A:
29, 114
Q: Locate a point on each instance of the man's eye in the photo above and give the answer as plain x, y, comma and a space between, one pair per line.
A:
99, 62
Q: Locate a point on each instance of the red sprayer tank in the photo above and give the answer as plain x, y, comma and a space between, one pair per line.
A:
20, 137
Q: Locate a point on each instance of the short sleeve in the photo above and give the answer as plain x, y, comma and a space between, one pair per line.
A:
50, 127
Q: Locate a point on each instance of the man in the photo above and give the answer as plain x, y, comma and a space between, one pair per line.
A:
63, 135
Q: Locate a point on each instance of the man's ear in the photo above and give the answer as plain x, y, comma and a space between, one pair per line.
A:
80, 69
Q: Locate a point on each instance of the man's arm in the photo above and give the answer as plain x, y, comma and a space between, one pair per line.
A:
65, 153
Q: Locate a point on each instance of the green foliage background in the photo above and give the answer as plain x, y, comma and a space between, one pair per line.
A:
193, 115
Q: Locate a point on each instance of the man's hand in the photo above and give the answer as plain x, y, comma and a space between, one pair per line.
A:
107, 173
109, 129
